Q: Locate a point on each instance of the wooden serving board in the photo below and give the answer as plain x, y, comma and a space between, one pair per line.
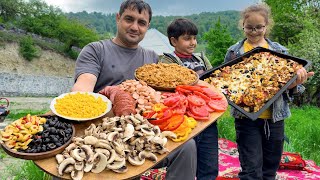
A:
50, 165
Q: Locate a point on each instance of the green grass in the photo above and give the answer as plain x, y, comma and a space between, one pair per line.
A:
27, 171
14, 115
302, 129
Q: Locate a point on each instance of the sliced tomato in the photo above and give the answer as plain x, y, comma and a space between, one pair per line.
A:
199, 118
190, 88
183, 91
171, 100
199, 111
174, 122
212, 94
219, 105
203, 96
196, 100
210, 110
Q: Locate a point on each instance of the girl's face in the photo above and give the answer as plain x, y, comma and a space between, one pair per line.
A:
185, 44
255, 27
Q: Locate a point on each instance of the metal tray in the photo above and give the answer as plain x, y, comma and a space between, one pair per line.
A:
255, 115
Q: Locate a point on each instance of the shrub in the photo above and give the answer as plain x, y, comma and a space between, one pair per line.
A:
28, 49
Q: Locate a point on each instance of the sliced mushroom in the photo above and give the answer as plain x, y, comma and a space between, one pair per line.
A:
59, 158
70, 147
76, 154
69, 168
88, 151
148, 155
157, 130
116, 164
123, 169
112, 156
136, 161
79, 165
101, 160
113, 136
106, 152
128, 132
89, 131
64, 165
88, 166
77, 175
147, 131
90, 140
169, 134
78, 140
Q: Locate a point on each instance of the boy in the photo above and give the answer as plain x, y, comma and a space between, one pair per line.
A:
182, 35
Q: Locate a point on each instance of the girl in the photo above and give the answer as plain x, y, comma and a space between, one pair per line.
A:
260, 142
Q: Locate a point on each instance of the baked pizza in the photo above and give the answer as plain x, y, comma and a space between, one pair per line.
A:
255, 80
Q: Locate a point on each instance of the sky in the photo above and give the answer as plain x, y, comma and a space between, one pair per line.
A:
159, 7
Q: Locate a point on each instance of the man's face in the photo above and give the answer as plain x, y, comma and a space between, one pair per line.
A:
132, 26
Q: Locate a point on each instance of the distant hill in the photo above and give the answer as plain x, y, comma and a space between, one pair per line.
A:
105, 23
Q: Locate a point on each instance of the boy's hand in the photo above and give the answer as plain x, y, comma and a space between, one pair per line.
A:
303, 76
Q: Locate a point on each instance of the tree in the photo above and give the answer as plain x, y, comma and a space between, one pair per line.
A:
218, 41
10, 9
307, 47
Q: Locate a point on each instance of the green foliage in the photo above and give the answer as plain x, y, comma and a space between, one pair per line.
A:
9, 9
307, 47
17, 114
218, 41
226, 126
204, 21
27, 48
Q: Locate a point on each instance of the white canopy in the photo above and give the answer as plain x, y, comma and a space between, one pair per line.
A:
156, 41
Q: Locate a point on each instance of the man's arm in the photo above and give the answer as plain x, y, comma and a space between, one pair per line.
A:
85, 82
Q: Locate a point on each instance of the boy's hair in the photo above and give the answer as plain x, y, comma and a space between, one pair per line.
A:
140, 5
180, 27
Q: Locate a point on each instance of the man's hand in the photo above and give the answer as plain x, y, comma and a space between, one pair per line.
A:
303, 76
85, 82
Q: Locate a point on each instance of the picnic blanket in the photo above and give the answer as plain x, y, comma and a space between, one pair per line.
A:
229, 167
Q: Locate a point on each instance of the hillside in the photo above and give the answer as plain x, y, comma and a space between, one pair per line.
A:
49, 63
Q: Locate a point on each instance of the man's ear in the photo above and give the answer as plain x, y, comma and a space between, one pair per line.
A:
173, 41
118, 17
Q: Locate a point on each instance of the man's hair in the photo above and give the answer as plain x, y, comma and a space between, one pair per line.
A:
136, 4
180, 27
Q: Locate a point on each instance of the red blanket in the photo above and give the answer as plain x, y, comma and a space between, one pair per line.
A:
229, 166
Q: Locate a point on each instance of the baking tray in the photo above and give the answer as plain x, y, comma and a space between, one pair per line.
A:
255, 115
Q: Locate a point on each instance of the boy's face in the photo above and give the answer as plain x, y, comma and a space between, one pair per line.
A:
185, 44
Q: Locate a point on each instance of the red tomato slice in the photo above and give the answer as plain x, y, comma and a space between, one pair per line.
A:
212, 94
196, 100
203, 96
197, 117
199, 111
210, 110
190, 88
171, 100
218, 104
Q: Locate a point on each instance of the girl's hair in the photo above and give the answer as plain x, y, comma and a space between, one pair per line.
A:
261, 8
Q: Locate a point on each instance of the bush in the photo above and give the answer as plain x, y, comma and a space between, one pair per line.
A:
28, 49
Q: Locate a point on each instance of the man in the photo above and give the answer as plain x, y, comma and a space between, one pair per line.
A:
109, 62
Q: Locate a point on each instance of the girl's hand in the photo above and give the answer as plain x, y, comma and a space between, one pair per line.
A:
303, 75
